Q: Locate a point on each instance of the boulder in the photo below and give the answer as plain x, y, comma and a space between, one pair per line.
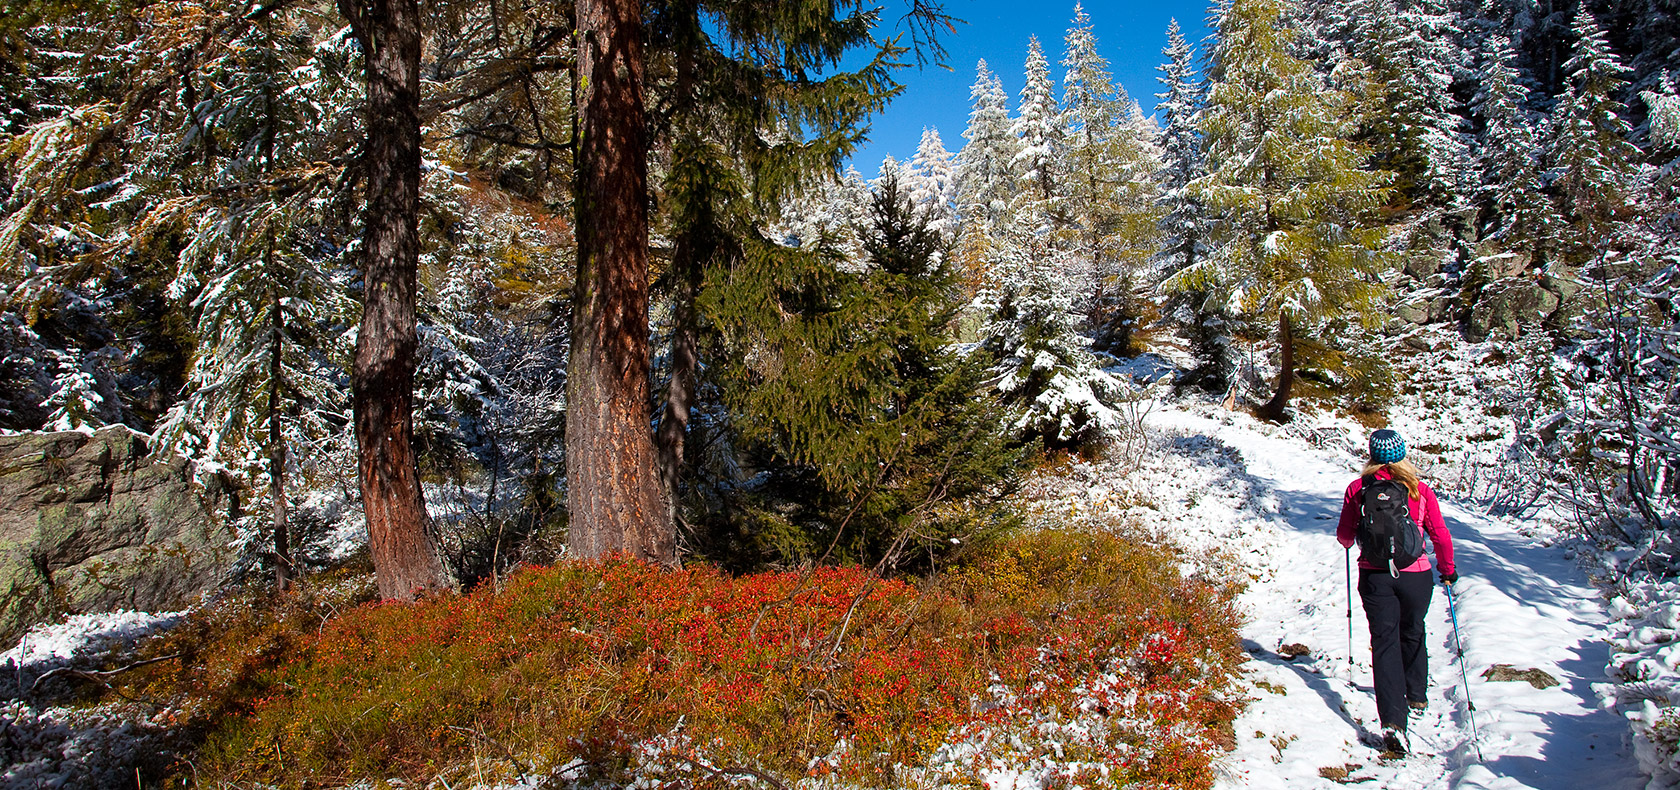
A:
1506, 306
1561, 280
93, 523
1413, 311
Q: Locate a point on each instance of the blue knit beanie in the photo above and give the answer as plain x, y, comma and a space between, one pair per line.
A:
1387, 446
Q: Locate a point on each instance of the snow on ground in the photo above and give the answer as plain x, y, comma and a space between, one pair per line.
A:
51, 645
1271, 497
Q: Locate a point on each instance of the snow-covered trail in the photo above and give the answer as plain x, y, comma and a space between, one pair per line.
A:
1518, 603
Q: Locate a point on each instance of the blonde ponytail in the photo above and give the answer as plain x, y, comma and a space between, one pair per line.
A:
1403, 473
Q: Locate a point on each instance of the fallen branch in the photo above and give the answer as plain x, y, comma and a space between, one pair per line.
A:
96, 675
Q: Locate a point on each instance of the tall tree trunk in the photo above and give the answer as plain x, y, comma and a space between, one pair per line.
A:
1274, 408
276, 443
405, 554
276, 360
685, 369
614, 501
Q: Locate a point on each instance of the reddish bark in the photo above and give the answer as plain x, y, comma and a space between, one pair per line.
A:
614, 500
405, 556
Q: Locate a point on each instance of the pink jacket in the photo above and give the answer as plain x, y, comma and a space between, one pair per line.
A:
1425, 511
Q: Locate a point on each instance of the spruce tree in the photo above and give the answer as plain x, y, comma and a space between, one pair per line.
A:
265, 395
931, 184
1107, 210
760, 110
1592, 165
987, 174
1410, 121
1517, 211
1045, 371
860, 414
1039, 128
1297, 240
1184, 226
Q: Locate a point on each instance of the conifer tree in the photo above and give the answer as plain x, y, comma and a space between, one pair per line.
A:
1046, 373
760, 109
1106, 212
1592, 165
400, 534
855, 406
1039, 128
1298, 243
931, 183
75, 402
265, 395
987, 179
1184, 223
1518, 213
1409, 121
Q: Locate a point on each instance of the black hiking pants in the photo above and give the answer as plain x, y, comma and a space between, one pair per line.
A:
1394, 608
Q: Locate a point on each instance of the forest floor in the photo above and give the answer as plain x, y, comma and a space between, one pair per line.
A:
1271, 498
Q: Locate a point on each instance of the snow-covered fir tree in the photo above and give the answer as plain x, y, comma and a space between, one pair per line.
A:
1411, 120
75, 403
1517, 212
931, 183
987, 179
1592, 165
1039, 128
1107, 207
263, 277
1184, 226
1298, 241
1046, 373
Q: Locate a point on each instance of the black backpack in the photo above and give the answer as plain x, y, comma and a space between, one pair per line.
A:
1388, 537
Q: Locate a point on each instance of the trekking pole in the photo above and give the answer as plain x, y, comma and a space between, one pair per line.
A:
1475, 736
1347, 554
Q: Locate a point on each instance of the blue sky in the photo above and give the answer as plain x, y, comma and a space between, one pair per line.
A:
1131, 34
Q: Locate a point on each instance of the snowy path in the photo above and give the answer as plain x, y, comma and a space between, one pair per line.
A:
1518, 603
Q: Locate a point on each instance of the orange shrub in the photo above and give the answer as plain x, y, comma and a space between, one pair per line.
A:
617, 668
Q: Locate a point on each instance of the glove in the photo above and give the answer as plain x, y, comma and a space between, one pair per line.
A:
1449, 578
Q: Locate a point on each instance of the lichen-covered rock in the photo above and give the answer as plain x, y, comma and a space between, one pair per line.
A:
93, 523
1506, 306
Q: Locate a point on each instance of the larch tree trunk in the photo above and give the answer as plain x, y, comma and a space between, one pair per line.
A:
1274, 408
405, 554
614, 499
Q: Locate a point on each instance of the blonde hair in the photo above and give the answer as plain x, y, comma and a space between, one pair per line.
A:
1402, 471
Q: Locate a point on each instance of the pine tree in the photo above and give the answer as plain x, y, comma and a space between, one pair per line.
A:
1046, 373
931, 184
1298, 243
75, 402
987, 179
1039, 128
1592, 166
1106, 211
1184, 223
1518, 212
854, 405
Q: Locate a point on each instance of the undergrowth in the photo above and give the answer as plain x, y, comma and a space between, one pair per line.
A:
1084, 648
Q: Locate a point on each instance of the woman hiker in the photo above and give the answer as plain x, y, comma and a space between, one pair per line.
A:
1394, 576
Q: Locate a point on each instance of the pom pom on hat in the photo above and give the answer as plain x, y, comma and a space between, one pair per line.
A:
1387, 446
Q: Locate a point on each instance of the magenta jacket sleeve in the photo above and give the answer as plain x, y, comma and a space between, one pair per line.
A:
1348, 527
1436, 528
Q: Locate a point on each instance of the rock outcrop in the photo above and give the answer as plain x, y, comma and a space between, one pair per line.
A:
93, 523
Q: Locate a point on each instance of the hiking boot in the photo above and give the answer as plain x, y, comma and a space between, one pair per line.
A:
1418, 705
1394, 741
